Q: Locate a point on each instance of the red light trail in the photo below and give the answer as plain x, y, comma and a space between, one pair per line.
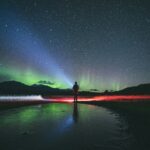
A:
101, 98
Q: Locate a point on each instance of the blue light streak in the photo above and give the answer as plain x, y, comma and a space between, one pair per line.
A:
26, 44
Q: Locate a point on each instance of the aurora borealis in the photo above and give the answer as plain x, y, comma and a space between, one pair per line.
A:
101, 44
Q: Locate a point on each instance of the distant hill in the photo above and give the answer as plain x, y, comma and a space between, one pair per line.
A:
17, 88
140, 89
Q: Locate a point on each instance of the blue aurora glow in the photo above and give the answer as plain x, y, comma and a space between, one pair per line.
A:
28, 46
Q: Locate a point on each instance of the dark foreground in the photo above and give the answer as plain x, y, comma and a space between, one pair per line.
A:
137, 115
63, 127
69, 126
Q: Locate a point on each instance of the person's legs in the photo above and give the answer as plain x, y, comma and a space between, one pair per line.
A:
76, 97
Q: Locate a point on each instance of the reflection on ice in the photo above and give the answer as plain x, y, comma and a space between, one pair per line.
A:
58, 126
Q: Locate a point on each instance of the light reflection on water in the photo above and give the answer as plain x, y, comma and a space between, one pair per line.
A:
63, 126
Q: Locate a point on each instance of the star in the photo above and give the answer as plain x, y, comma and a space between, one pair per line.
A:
35, 4
50, 29
6, 25
17, 30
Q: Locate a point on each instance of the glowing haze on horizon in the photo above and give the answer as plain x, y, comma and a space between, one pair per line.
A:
102, 45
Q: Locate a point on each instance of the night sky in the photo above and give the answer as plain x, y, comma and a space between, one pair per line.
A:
102, 44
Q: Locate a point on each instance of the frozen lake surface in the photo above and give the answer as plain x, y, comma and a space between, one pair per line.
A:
65, 127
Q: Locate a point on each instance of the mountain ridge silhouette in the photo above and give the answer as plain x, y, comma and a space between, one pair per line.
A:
18, 88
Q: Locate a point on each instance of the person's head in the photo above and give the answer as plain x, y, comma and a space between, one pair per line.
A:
75, 82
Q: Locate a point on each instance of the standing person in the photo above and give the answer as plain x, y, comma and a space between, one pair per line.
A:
75, 90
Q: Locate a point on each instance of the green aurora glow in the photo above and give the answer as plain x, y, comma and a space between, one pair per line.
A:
30, 77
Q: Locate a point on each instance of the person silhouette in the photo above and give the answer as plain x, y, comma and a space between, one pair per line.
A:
75, 90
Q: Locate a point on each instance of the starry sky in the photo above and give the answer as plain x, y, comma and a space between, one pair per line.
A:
102, 44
